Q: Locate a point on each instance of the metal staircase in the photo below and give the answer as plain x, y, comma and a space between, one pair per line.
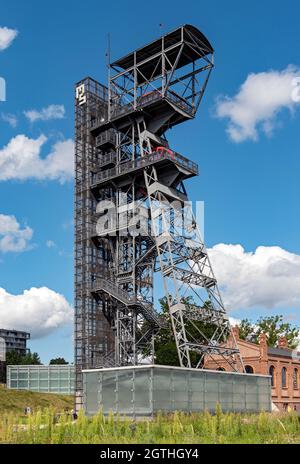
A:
130, 301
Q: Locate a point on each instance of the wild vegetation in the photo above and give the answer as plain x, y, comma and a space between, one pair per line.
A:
14, 402
48, 427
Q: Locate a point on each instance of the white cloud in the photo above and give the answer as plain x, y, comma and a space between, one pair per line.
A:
267, 278
50, 244
258, 102
12, 237
46, 114
11, 119
20, 159
6, 37
234, 321
39, 311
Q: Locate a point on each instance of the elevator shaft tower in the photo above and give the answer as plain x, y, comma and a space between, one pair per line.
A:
132, 213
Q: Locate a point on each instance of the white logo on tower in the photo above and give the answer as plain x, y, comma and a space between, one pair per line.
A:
80, 94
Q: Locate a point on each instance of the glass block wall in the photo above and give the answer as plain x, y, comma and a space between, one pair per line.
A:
145, 390
44, 379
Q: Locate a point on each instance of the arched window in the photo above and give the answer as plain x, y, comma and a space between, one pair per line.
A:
295, 379
272, 374
249, 369
284, 377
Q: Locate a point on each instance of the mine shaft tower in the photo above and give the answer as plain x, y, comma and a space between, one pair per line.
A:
133, 217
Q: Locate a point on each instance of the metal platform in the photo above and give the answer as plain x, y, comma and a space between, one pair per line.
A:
163, 160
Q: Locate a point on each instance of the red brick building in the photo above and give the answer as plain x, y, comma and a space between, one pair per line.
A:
281, 363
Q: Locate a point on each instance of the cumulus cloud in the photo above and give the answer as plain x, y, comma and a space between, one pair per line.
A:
268, 277
50, 244
13, 238
6, 37
234, 321
256, 106
11, 119
46, 114
21, 159
39, 311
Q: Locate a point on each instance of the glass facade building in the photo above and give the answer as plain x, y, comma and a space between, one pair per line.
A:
146, 390
45, 379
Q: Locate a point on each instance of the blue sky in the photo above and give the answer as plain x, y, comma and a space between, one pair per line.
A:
250, 186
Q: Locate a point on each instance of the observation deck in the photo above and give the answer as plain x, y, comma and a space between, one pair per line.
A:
164, 80
153, 103
163, 158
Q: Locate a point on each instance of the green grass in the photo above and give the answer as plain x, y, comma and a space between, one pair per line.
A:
15, 401
47, 427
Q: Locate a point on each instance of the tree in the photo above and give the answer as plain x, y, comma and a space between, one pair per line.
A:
246, 330
58, 361
2, 372
273, 327
14, 358
165, 345
32, 358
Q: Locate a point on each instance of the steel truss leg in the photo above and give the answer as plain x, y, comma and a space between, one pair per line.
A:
194, 300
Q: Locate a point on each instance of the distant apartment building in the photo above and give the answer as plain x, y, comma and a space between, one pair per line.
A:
15, 340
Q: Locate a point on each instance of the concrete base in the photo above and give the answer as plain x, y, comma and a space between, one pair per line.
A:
146, 390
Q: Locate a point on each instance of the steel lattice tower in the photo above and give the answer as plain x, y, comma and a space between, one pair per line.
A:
132, 214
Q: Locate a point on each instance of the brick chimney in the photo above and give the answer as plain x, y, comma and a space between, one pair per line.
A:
283, 343
263, 349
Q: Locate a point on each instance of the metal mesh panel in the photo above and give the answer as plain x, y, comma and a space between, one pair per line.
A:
146, 390
46, 379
